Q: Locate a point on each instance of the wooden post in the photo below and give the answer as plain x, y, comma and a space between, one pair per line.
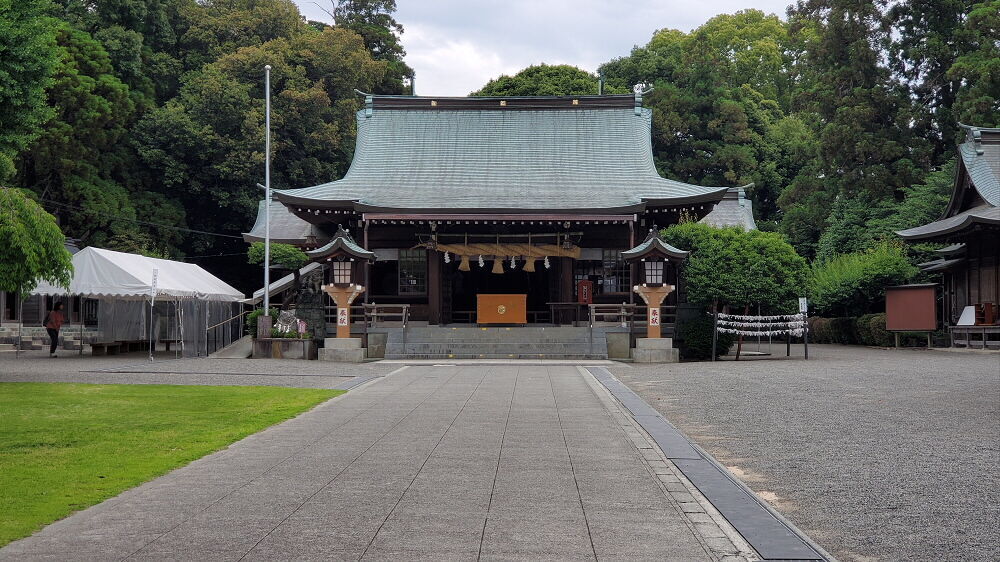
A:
805, 340
715, 331
653, 296
343, 296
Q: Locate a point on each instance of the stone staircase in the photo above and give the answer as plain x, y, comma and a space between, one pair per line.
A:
470, 342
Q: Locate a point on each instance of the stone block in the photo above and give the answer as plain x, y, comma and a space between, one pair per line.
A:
640, 355
342, 343
618, 347
654, 343
356, 355
377, 344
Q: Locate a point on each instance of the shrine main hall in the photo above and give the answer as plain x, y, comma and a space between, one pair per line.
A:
450, 199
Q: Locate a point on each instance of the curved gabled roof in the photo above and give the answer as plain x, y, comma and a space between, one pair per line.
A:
342, 243
654, 245
980, 161
533, 155
985, 215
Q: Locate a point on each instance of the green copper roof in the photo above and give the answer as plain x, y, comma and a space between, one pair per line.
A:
980, 155
653, 244
475, 155
984, 215
735, 209
342, 243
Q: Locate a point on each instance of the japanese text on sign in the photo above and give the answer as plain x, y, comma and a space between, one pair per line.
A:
654, 316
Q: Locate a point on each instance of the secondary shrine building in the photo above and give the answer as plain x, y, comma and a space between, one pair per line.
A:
461, 197
969, 263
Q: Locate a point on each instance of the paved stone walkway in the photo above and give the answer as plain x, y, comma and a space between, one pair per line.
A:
465, 462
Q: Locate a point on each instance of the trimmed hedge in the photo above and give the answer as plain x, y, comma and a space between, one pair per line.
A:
871, 330
864, 330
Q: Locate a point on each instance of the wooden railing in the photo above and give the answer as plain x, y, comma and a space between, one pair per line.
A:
373, 313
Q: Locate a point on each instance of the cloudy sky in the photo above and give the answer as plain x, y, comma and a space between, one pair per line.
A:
456, 46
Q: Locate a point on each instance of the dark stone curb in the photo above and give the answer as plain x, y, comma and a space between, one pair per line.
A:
773, 537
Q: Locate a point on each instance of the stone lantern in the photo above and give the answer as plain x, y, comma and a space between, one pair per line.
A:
654, 254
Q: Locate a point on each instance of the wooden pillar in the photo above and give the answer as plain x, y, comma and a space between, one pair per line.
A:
435, 262
566, 285
653, 297
343, 296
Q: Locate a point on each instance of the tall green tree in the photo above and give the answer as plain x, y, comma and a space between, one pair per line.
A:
546, 80
219, 27
720, 93
373, 20
978, 70
32, 248
206, 145
866, 148
928, 37
71, 164
27, 55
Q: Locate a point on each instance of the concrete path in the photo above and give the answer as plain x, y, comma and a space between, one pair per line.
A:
463, 462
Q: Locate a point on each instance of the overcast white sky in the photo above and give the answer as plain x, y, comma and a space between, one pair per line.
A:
456, 46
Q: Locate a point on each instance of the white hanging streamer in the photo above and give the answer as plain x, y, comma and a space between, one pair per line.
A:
799, 316
513, 262
797, 332
772, 325
482, 262
447, 258
547, 262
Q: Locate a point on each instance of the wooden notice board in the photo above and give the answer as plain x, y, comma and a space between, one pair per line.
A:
911, 308
502, 309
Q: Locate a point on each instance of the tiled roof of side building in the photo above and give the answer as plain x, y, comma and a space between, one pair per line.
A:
735, 209
986, 215
286, 228
526, 158
982, 161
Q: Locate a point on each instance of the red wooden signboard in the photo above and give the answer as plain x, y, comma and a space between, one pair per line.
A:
911, 308
585, 292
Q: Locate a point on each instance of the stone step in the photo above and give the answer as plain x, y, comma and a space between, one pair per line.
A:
452, 347
438, 356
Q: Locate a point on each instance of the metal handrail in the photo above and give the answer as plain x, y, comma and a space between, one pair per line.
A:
227, 321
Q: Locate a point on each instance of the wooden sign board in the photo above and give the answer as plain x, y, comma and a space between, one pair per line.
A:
911, 308
502, 309
585, 292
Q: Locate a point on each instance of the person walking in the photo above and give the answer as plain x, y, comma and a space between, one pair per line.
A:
53, 321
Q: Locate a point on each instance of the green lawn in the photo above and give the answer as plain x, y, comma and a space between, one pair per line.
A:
64, 447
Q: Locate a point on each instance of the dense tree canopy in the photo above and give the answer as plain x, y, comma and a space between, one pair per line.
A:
27, 55
546, 80
32, 248
730, 266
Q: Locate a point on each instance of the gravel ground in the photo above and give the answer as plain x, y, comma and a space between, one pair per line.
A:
37, 366
876, 454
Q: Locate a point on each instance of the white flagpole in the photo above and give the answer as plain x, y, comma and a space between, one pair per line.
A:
267, 188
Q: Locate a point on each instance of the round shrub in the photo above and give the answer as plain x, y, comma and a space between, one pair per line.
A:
879, 335
251, 319
696, 338
822, 331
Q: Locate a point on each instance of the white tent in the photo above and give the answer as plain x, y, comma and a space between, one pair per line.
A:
192, 307
101, 273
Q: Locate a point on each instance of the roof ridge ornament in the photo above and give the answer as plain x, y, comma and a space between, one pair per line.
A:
975, 135
369, 102
640, 89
